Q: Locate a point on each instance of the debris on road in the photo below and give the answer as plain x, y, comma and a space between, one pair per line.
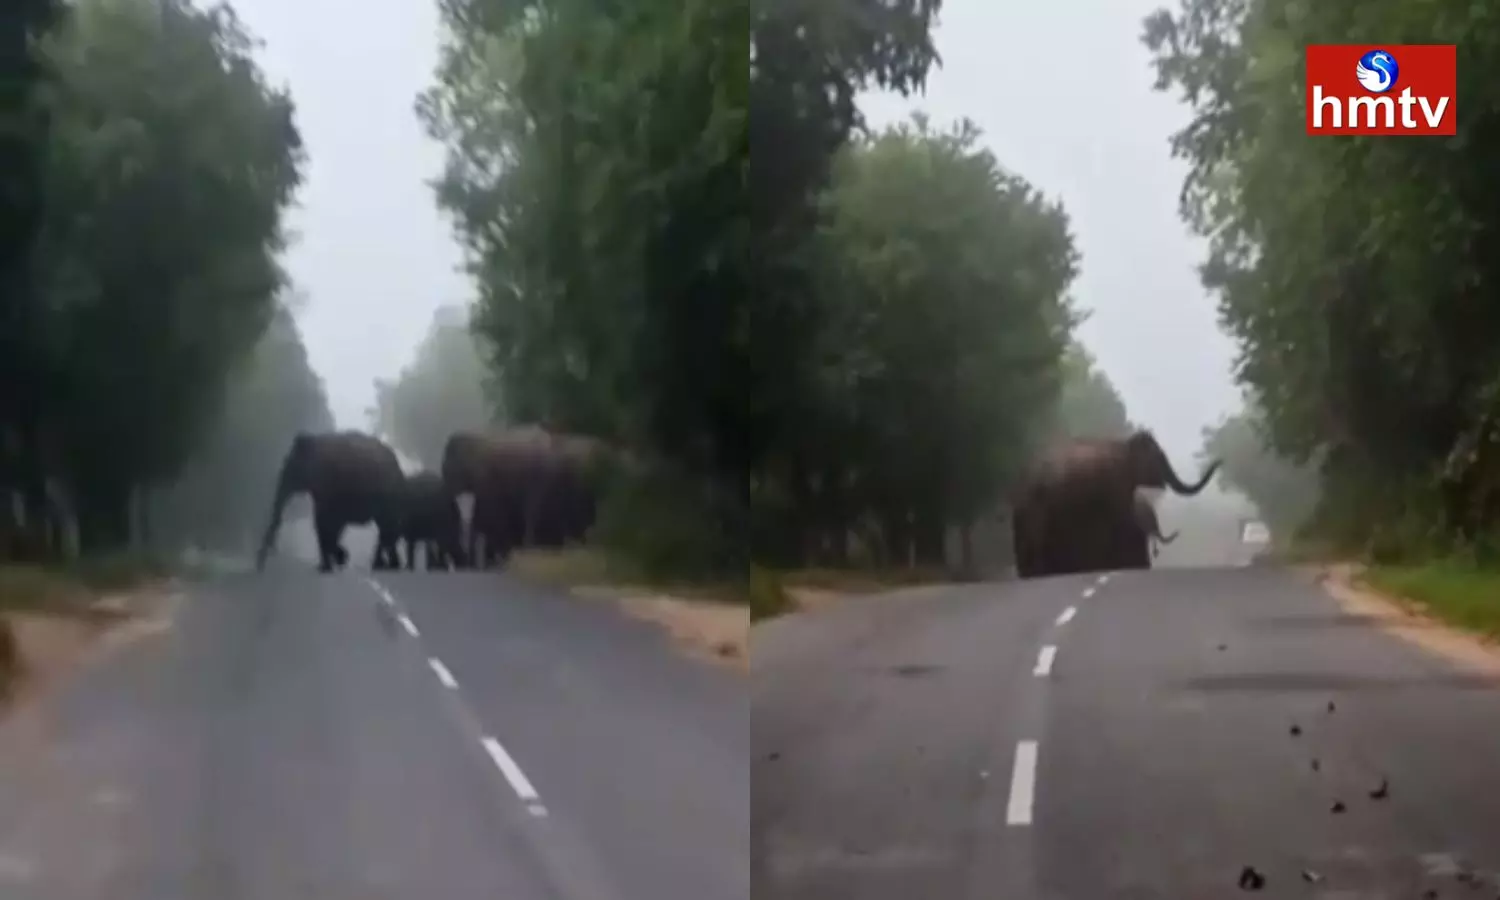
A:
1316, 765
1251, 880
1338, 807
1223, 646
1330, 706
1381, 792
1311, 877
1296, 729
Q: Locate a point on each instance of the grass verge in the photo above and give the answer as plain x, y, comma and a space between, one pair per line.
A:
1455, 591
708, 619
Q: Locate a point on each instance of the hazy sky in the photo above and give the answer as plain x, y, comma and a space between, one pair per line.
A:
1062, 91
374, 256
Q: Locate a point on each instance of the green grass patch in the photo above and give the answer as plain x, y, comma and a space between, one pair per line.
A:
35, 588
1456, 591
768, 596
71, 588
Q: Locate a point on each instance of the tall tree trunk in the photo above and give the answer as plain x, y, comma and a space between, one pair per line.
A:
928, 541
103, 519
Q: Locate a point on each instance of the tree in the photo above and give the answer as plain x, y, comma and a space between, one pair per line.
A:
1088, 405
440, 392
169, 166
220, 499
23, 142
1359, 339
943, 279
1284, 493
597, 172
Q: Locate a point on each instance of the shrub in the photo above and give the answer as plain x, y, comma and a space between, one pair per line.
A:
768, 596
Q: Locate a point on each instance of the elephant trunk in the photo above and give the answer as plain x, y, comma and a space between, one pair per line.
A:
1187, 490
284, 491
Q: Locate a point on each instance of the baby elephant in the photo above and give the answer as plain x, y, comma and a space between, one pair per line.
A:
433, 521
1145, 514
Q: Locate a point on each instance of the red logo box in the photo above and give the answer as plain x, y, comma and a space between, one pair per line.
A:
1421, 99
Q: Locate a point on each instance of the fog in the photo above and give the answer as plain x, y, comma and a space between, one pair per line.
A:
373, 256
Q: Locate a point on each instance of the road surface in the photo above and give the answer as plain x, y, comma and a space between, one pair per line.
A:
439, 735
1129, 737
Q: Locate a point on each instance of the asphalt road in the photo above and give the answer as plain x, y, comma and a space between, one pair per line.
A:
927, 744
446, 736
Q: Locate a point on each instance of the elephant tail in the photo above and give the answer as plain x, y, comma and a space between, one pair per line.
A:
1168, 538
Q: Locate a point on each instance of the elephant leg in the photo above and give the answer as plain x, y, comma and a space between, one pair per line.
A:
328, 547
382, 557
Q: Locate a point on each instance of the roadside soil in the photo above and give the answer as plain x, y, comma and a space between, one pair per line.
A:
1406, 619
700, 621
55, 627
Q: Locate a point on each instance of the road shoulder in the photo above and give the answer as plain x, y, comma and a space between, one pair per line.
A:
67, 628
1407, 619
704, 626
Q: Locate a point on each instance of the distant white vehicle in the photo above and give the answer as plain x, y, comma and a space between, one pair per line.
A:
1255, 533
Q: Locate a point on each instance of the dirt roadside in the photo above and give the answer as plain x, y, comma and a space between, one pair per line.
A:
1406, 619
707, 629
52, 642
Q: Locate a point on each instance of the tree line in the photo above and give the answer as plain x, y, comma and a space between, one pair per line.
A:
1353, 272
148, 360
831, 344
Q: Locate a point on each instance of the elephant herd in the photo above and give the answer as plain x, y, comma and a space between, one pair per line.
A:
1081, 507
1079, 510
529, 487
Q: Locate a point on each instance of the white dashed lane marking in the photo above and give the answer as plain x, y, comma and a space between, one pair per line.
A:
1067, 615
1044, 661
1088, 592
502, 760
443, 675
1022, 785
1104, 579
513, 774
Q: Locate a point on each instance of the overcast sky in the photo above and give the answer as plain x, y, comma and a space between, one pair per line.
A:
374, 256
1062, 92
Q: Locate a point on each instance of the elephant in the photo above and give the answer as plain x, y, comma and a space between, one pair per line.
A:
571, 497
431, 519
1146, 521
1077, 505
354, 479
531, 487
506, 473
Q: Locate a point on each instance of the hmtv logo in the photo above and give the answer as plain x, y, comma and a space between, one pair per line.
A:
1381, 90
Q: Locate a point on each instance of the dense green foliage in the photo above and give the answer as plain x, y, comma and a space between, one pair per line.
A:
597, 175
219, 500
1285, 493
1088, 405
941, 286
1355, 273
150, 263
809, 332
440, 392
